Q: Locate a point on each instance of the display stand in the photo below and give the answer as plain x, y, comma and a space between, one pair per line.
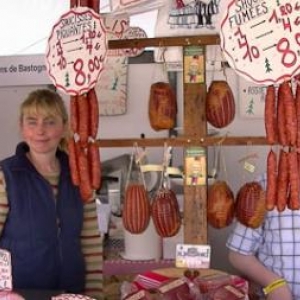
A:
194, 133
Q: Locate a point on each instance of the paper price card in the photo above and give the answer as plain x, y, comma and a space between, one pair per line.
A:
5, 270
193, 256
76, 51
134, 33
260, 39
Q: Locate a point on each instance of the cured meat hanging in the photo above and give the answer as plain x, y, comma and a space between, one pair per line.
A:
165, 210
282, 181
136, 210
84, 155
271, 115
290, 117
282, 188
271, 192
165, 213
162, 106
293, 175
220, 105
250, 204
220, 205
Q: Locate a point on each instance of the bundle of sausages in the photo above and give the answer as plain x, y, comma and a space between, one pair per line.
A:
282, 124
84, 156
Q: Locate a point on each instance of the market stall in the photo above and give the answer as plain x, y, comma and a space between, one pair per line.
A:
103, 61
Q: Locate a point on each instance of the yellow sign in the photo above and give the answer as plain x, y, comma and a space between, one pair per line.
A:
195, 166
193, 64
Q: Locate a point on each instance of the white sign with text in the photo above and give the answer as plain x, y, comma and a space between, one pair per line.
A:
193, 256
76, 51
261, 39
23, 70
5, 270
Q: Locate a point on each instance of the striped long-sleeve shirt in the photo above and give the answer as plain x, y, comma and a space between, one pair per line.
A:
91, 239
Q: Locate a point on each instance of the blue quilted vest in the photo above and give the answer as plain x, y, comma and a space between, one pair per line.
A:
41, 233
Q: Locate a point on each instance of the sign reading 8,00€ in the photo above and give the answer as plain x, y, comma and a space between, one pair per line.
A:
76, 51
261, 39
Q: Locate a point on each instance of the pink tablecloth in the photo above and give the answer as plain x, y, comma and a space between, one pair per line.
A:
126, 267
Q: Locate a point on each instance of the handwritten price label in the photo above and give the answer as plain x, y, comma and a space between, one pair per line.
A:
261, 39
5, 270
134, 33
193, 256
76, 51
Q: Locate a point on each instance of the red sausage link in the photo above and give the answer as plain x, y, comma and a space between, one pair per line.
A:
271, 192
93, 113
94, 165
271, 115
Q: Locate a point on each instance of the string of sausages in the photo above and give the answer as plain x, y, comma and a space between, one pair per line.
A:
282, 125
84, 156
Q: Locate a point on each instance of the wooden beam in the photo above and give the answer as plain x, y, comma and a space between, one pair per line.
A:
199, 40
184, 141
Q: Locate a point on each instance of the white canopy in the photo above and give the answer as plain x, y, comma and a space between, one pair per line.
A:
26, 24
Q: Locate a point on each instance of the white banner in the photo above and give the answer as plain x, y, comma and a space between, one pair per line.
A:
23, 70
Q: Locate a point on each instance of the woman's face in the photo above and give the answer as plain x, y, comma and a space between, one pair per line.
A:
42, 133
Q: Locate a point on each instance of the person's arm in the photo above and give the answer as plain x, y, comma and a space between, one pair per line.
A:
4, 208
255, 271
92, 248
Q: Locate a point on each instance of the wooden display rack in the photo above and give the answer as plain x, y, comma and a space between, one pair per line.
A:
194, 133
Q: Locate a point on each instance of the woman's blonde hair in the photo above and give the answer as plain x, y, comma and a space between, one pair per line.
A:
48, 103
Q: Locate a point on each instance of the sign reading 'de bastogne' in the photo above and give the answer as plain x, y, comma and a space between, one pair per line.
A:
261, 39
76, 51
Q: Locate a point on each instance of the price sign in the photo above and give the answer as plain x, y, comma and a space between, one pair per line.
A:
5, 270
76, 51
193, 256
134, 33
261, 39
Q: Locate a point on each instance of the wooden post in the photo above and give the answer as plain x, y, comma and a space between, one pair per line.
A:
195, 126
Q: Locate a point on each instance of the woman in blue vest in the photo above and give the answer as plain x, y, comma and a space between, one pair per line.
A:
41, 211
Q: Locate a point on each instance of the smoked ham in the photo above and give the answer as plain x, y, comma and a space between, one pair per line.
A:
136, 210
250, 204
162, 106
220, 105
165, 213
220, 205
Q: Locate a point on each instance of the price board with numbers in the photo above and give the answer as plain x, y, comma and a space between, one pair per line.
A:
76, 51
261, 39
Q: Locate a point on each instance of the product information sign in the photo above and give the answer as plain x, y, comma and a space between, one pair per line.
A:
76, 51
193, 256
134, 33
195, 166
5, 270
260, 39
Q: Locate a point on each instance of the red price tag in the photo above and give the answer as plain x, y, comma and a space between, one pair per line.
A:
76, 51
261, 39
